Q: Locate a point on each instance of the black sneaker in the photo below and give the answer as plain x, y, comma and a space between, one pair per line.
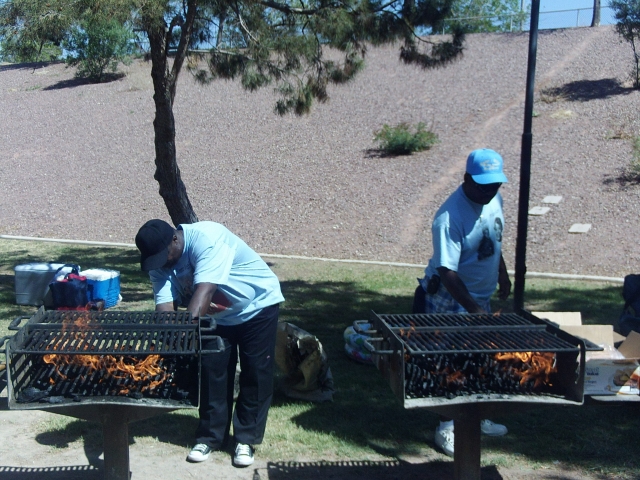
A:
199, 453
243, 455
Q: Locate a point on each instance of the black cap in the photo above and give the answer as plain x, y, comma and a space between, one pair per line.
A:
152, 240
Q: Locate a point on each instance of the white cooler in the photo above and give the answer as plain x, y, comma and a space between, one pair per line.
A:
32, 282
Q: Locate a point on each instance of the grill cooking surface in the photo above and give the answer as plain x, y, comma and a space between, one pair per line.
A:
59, 357
472, 333
477, 341
135, 333
441, 360
452, 320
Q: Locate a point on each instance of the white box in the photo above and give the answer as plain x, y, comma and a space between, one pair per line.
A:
611, 372
32, 282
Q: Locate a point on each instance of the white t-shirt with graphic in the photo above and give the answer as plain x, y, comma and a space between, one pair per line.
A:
467, 238
212, 254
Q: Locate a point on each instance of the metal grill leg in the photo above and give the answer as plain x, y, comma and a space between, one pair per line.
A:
115, 431
466, 459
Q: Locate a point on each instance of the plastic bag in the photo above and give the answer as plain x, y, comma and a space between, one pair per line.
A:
354, 344
302, 360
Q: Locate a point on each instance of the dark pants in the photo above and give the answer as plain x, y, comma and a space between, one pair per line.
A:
419, 302
255, 342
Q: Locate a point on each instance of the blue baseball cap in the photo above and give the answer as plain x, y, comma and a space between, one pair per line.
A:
485, 166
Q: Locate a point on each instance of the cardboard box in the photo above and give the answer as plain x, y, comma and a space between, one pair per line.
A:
612, 371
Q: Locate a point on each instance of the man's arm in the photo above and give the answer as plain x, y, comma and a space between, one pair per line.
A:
504, 284
165, 307
458, 290
201, 299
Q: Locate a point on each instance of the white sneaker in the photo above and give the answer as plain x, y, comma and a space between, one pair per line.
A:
444, 440
199, 453
492, 429
243, 456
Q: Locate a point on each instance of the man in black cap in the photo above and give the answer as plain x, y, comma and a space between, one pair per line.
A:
210, 271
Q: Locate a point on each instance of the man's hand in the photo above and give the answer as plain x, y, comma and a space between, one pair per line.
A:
458, 290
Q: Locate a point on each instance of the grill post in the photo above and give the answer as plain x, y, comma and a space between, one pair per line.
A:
115, 431
115, 421
466, 457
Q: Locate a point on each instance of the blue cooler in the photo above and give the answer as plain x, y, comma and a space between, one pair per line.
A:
103, 285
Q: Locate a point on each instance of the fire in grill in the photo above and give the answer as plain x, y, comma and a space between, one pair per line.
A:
110, 367
470, 366
63, 356
476, 357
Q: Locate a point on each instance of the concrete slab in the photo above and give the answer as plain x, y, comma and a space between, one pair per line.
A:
539, 210
580, 228
552, 199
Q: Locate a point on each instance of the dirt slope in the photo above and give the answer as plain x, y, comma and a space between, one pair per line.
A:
78, 159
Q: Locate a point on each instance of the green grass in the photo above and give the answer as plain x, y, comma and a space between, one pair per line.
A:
365, 421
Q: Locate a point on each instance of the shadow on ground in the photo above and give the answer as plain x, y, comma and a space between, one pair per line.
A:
585, 90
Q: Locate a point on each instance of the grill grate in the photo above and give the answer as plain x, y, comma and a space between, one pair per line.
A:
472, 333
484, 341
451, 320
117, 333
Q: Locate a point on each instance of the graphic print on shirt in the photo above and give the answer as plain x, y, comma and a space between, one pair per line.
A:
486, 248
498, 227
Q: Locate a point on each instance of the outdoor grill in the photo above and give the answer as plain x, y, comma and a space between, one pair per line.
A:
111, 367
470, 366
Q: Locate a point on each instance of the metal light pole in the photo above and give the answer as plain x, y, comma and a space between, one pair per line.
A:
525, 164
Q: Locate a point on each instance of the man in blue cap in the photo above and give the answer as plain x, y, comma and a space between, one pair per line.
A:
467, 261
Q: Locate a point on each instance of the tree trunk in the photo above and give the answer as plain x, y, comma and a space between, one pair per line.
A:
596, 13
172, 189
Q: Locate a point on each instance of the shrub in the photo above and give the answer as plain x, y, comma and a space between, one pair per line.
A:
98, 46
403, 139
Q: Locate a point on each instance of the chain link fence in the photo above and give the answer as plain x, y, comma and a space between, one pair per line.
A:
576, 17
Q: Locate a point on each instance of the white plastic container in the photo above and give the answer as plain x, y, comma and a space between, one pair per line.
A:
32, 282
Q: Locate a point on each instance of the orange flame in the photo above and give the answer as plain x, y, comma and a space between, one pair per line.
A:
536, 366
147, 372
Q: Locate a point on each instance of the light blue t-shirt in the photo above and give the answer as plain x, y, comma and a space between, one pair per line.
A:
467, 238
212, 254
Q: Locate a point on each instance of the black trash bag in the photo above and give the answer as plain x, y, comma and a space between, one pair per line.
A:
630, 317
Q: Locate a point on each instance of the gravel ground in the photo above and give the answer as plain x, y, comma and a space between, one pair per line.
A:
79, 159
78, 164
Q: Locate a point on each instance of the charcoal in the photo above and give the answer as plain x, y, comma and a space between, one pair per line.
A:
433, 376
31, 394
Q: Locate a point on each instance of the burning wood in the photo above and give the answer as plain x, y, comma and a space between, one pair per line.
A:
452, 375
146, 373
